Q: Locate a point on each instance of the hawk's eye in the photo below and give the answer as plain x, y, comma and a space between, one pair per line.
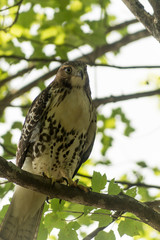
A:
68, 70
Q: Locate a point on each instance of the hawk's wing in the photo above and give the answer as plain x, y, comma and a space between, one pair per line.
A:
32, 123
89, 141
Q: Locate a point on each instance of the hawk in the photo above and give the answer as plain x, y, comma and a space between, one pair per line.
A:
57, 137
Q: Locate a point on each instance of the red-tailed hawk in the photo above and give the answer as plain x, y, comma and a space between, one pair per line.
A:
57, 137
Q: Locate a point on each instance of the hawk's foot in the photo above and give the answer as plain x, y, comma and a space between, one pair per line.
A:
80, 186
60, 180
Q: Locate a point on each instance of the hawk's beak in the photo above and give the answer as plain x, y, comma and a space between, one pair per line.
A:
80, 74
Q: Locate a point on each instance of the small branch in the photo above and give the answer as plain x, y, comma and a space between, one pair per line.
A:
20, 73
111, 99
6, 101
129, 184
97, 102
64, 60
7, 8
121, 25
45, 59
88, 58
115, 216
99, 51
96, 53
105, 201
123, 67
16, 17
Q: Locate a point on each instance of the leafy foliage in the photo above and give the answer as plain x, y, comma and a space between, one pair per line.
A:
34, 35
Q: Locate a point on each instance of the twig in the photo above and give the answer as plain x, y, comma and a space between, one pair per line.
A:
124, 67
121, 25
51, 59
115, 216
7, 8
20, 73
16, 17
99, 51
18, 57
129, 184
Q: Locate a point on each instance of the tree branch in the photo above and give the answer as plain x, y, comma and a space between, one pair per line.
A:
129, 184
88, 58
115, 216
105, 201
6, 100
97, 101
20, 73
99, 51
105, 100
123, 67
16, 17
156, 7
151, 23
121, 25
7, 8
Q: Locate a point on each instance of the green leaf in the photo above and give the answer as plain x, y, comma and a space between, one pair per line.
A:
17, 125
98, 181
57, 205
5, 188
3, 212
102, 217
129, 227
69, 231
88, 209
42, 232
7, 137
105, 236
132, 192
113, 188
142, 164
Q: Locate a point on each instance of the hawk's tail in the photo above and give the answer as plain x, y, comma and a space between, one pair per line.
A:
22, 219
10, 229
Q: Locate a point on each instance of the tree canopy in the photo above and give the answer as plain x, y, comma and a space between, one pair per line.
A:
35, 38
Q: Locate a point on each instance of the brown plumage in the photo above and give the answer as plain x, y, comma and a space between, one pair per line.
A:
57, 137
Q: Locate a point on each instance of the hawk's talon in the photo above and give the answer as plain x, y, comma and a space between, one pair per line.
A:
47, 200
80, 186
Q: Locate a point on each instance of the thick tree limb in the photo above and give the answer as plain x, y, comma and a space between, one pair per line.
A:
151, 22
75, 195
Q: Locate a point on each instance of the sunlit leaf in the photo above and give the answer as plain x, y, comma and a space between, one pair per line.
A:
98, 181
113, 188
105, 236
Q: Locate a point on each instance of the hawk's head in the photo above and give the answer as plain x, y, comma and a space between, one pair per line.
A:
73, 74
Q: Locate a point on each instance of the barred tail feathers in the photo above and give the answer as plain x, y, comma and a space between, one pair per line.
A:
22, 219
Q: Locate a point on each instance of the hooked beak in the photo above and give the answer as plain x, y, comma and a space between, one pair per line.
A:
80, 74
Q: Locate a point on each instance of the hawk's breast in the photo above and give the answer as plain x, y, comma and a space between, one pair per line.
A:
74, 111
62, 135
